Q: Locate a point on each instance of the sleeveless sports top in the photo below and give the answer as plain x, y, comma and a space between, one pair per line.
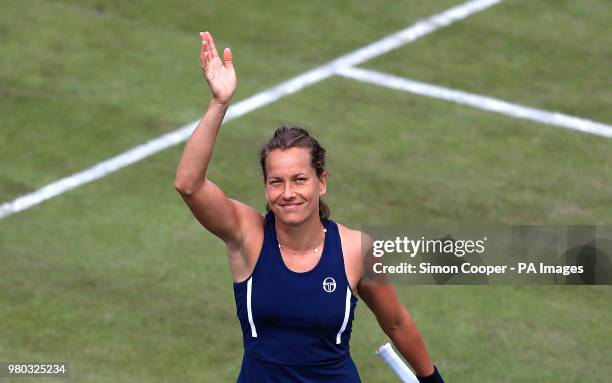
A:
296, 318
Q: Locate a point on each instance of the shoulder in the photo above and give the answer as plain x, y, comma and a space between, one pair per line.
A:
244, 253
246, 211
356, 241
355, 247
348, 235
248, 217
251, 226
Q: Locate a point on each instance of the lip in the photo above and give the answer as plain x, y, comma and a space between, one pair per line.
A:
292, 206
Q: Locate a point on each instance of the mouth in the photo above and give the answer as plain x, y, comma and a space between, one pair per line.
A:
291, 206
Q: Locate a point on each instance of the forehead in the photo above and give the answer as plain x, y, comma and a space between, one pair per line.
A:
288, 162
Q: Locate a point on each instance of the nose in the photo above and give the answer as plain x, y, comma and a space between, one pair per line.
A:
288, 192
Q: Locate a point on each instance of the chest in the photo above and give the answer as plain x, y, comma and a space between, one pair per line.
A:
300, 263
243, 266
313, 302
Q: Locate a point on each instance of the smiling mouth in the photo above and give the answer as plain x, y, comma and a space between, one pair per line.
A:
291, 206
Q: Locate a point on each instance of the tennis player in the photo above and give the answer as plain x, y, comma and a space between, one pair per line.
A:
297, 274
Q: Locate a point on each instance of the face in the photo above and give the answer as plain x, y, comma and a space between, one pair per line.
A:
292, 186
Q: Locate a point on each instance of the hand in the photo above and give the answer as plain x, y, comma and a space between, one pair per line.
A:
433, 378
220, 76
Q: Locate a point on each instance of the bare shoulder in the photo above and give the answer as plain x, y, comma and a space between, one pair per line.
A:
243, 255
356, 241
354, 247
249, 218
251, 225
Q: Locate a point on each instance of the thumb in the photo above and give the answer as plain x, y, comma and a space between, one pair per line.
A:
228, 59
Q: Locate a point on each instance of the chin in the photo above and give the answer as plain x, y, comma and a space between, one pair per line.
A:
291, 218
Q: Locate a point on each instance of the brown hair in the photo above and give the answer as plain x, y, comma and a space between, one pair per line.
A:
292, 137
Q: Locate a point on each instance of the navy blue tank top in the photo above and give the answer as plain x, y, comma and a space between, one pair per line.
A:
297, 318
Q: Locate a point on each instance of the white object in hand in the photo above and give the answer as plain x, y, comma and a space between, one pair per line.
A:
398, 366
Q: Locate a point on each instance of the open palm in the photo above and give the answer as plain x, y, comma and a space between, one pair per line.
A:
219, 74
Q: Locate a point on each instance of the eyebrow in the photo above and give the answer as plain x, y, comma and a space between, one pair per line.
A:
293, 176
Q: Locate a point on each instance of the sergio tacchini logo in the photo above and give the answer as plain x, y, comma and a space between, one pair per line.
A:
329, 284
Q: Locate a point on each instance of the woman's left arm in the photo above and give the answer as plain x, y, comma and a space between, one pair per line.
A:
394, 319
398, 324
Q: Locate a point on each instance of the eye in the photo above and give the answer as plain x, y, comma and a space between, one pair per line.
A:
301, 179
274, 182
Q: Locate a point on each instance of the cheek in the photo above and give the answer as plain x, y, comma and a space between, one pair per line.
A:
271, 193
314, 190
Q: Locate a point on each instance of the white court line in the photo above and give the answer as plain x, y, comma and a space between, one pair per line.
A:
478, 101
257, 101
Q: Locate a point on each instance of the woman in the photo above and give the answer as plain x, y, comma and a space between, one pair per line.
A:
296, 273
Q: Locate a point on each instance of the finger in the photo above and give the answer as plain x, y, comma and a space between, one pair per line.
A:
228, 59
205, 60
206, 51
207, 46
211, 42
204, 57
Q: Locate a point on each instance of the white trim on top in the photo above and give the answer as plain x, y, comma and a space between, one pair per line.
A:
347, 311
249, 309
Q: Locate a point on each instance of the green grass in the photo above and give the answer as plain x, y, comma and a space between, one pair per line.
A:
551, 54
82, 81
120, 281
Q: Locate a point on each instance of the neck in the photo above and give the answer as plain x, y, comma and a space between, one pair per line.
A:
304, 236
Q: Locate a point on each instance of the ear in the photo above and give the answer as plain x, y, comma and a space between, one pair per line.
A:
323, 183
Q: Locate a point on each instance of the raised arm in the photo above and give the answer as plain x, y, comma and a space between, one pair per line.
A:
217, 213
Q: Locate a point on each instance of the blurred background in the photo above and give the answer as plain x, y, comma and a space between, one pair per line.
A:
119, 280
